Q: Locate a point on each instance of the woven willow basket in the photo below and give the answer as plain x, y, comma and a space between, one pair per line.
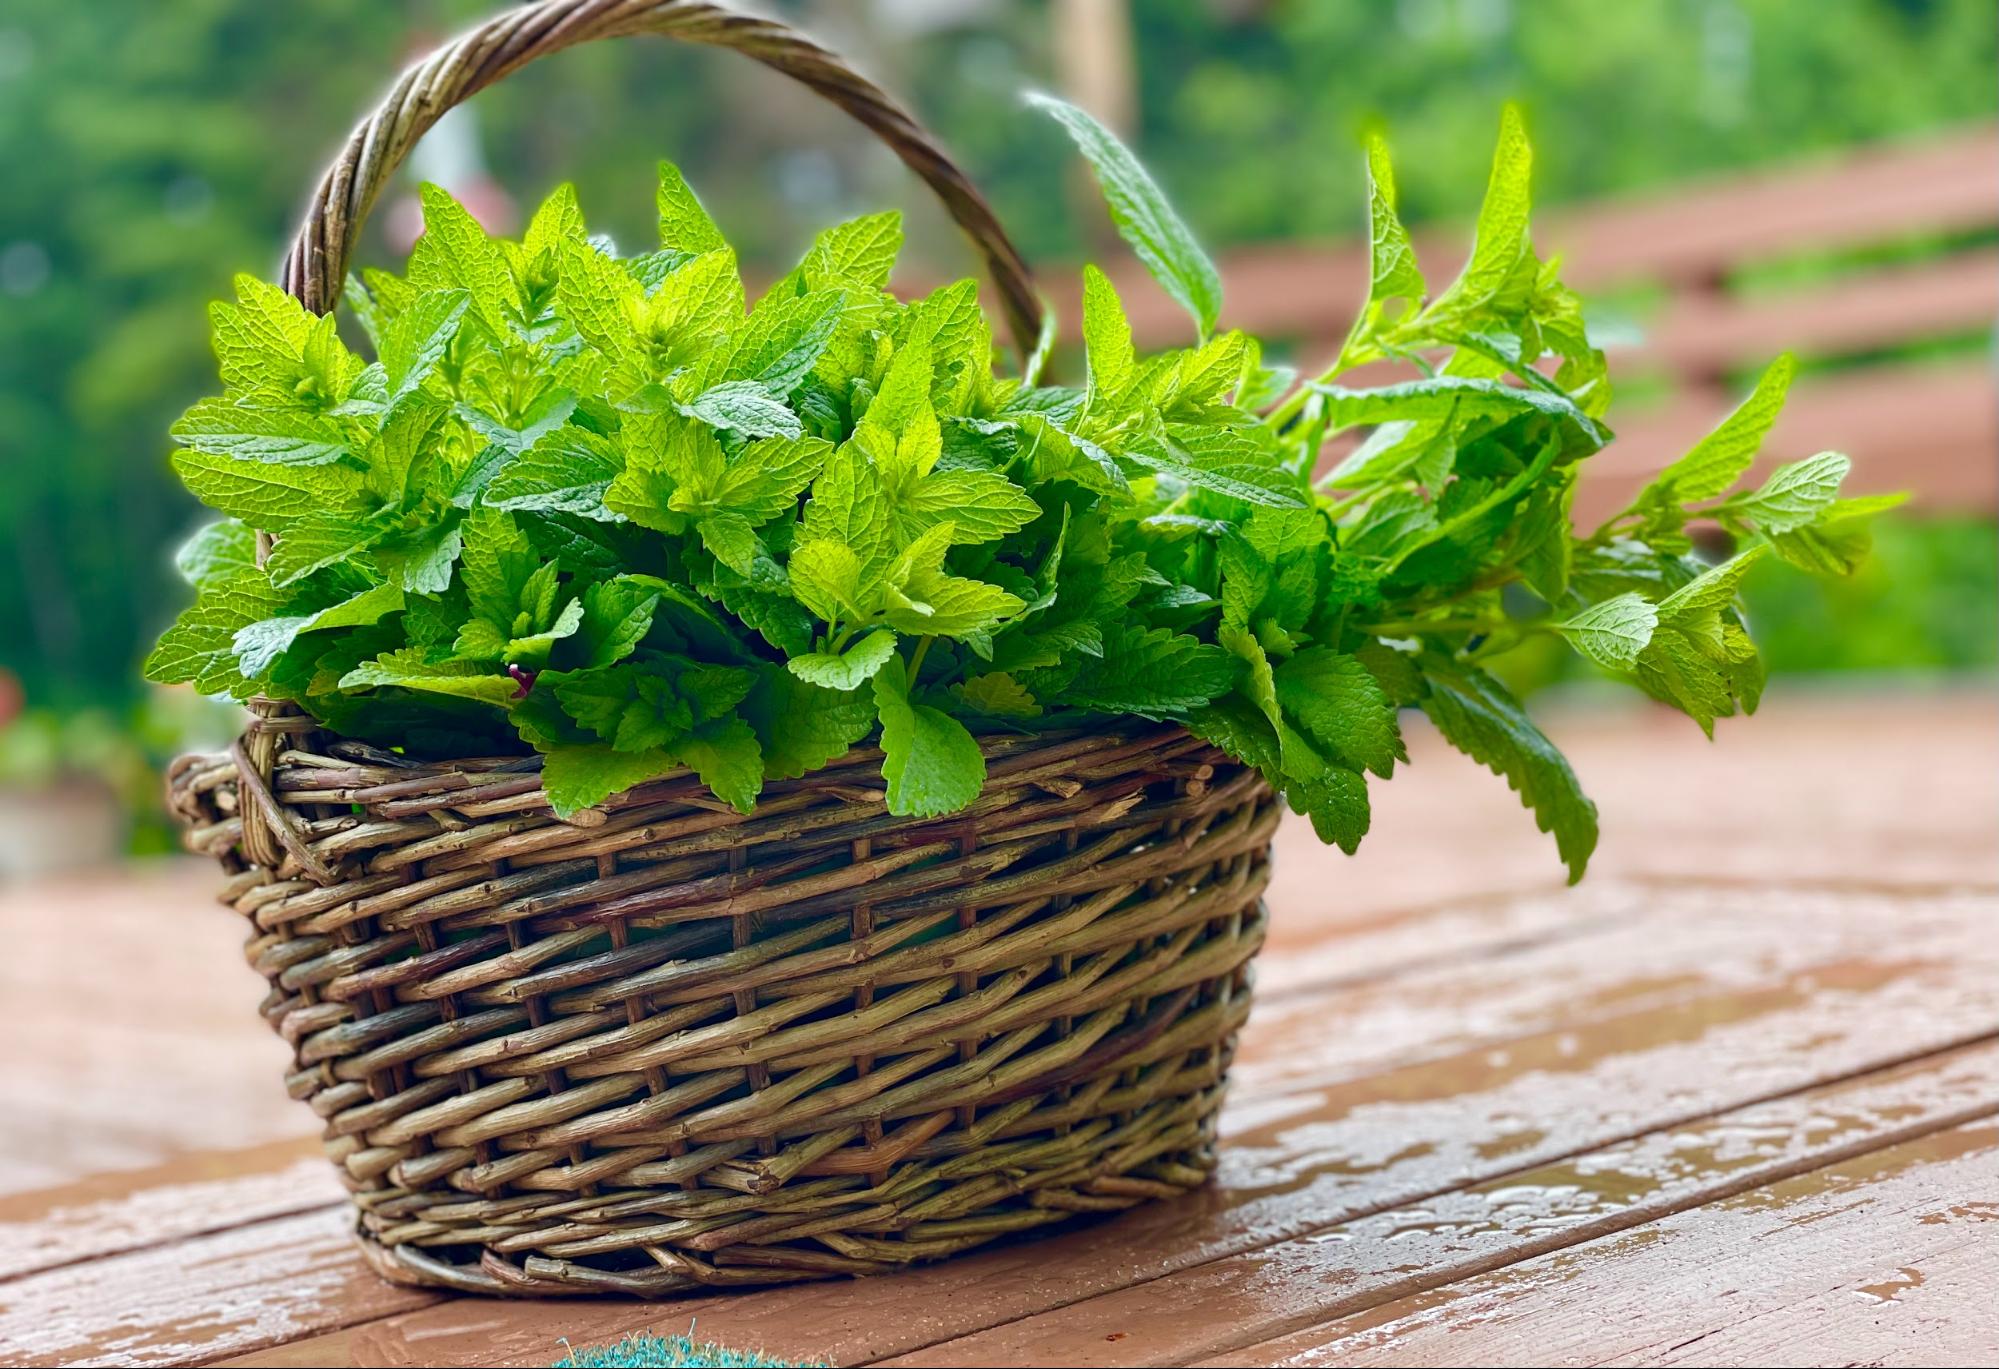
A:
662, 1045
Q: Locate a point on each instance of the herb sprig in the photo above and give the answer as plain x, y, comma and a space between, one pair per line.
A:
596, 506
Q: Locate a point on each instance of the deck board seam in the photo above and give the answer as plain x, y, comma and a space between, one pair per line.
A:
1585, 1233
1473, 1181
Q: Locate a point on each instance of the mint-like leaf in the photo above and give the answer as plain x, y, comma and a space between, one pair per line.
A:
1142, 215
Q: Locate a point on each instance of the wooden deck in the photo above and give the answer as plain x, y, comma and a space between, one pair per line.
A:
1734, 1100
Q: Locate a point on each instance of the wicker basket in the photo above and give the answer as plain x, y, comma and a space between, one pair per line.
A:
663, 1045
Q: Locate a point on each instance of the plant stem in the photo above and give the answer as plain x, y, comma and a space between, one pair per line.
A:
916, 659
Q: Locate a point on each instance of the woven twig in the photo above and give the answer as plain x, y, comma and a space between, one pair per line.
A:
679, 1046
317, 263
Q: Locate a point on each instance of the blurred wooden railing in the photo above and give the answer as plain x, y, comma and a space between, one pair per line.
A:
1929, 426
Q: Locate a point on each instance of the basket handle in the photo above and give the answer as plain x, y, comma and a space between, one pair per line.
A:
316, 266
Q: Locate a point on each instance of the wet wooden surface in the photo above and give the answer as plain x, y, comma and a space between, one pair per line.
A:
1734, 1100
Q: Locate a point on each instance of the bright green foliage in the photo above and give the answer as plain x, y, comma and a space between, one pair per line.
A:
602, 508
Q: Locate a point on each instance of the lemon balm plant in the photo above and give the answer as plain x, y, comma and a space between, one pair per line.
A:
745, 791
590, 504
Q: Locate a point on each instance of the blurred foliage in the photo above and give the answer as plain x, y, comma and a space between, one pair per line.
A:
152, 149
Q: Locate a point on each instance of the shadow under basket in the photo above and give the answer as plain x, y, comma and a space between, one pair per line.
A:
664, 1045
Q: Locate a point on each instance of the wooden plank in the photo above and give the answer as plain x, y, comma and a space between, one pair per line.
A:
1708, 332
1931, 428
199, 1298
146, 1040
1779, 798
1334, 1142
1884, 1258
1250, 1299
187, 1196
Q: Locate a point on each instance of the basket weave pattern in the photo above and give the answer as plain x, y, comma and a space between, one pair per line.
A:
665, 1045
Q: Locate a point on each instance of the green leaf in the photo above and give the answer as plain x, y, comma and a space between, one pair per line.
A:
1452, 398
200, 648
803, 726
420, 560
999, 694
455, 253
1246, 481
289, 437
783, 340
730, 540
932, 764
1154, 673
1392, 269
568, 470
218, 551
1718, 460
579, 777
321, 540
982, 506
413, 668
258, 645
1795, 494
859, 252
826, 577
1501, 237
1475, 714
848, 506
1143, 217
746, 407
1106, 339
1338, 704
1613, 633
1839, 542
263, 494
849, 669
729, 760
417, 339
615, 617
684, 226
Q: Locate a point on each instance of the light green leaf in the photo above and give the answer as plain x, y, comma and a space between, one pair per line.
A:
259, 644
849, 669
263, 494
412, 668
290, 437
1795, 494
859, 252
1501, 238
1392, 268
1614, 632
932, 764
1139, 209
783, 340
684, 226
1107, 341
568, 470
417, 339
1719, 459
455, 253
218, 551
322, 540
746, 407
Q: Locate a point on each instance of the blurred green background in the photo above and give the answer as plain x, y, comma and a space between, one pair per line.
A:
152, 149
